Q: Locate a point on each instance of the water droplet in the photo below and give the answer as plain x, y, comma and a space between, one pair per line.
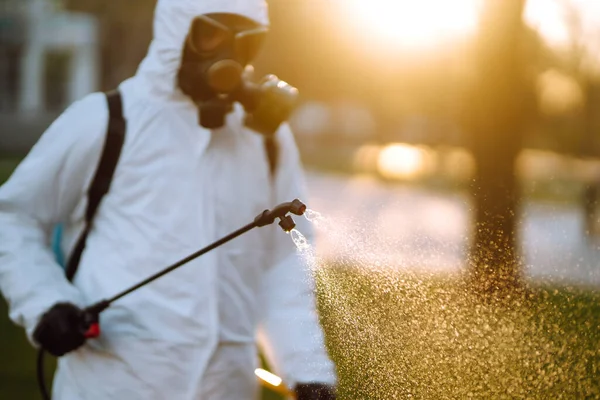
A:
313, 216
299, 239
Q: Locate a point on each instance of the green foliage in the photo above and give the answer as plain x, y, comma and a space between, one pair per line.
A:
7, 166
17, 365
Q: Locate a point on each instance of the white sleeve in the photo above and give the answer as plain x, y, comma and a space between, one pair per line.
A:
291, 336
42, 191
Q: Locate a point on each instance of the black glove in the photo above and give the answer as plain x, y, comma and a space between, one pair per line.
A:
61, 329
314, 391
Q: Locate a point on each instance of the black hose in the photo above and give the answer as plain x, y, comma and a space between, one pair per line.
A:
41, 376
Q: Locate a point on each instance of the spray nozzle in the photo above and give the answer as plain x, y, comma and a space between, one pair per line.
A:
286, 222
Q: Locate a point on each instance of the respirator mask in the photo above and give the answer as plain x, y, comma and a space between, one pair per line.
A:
215, 74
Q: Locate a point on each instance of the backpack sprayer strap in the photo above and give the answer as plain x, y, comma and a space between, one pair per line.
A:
113, 143
272, 150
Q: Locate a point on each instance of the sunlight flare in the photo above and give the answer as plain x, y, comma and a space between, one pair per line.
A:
409, 23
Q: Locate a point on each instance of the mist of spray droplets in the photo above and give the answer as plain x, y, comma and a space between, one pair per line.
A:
400, 333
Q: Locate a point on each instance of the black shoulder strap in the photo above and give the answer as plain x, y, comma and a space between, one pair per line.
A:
272, 151
115, 135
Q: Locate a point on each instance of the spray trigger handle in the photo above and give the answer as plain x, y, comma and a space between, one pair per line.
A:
287, 223
91, 319
91, 325
93, 331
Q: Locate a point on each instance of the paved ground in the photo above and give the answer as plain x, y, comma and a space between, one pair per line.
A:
378, 224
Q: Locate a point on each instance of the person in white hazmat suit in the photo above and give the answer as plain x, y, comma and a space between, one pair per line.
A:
178, 186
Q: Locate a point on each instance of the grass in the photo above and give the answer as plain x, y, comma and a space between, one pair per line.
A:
399, 336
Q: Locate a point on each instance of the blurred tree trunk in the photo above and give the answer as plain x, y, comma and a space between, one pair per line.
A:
497, 121
584, 65
590, 149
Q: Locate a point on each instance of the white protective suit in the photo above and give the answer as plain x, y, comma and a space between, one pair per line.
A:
177, 188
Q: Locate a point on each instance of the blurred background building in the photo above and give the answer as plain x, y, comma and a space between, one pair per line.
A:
49, 58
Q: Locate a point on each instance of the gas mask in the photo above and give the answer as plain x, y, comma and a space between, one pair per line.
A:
214, 73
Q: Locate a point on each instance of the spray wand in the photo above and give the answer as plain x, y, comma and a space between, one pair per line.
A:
91, 314
267, 217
